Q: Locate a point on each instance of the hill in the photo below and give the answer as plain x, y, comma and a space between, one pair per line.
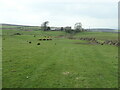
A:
19, 27
102, 30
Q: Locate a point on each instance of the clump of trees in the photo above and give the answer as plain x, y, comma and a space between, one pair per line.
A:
44, 26
62, 28
68, 29
78, 27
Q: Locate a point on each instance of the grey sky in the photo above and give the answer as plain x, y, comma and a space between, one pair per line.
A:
91, 13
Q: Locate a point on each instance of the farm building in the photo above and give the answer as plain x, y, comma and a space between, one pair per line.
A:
60, 28
67, 28
55, 28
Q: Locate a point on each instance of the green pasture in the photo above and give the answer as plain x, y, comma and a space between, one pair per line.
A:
60, 63
99, 35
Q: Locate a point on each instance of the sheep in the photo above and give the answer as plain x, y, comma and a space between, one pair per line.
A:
38, 43
44, 39
40, 39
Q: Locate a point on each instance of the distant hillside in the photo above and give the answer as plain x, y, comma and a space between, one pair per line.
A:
31, 28
11, 25
19, 27
102, 30
4, 24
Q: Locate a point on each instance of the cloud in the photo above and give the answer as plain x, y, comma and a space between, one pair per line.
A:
94, 13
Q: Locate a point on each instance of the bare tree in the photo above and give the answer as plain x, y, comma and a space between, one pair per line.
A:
44, 25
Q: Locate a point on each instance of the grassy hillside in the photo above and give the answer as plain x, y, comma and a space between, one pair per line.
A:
99, 35
19, 27
59, 63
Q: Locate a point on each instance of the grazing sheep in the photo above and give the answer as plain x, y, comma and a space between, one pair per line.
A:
17, 34
38, 43
40, 39
44, 39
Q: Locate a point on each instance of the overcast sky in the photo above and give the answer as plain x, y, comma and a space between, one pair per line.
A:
91, 13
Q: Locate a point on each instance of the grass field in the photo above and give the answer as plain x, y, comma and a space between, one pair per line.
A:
60, 63
99, 35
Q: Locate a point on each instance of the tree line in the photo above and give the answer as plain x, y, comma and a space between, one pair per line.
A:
77, 27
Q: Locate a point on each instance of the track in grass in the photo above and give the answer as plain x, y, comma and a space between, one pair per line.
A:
59, 63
